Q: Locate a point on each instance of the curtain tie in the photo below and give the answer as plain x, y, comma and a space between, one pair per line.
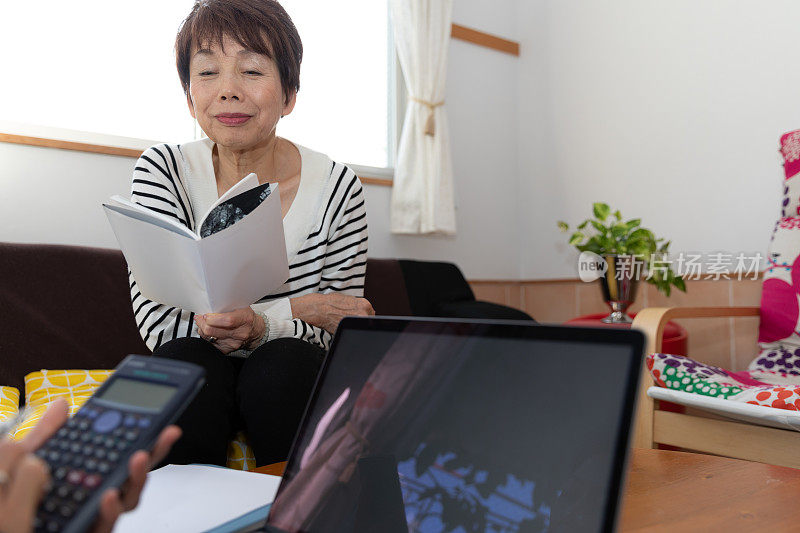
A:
430, 124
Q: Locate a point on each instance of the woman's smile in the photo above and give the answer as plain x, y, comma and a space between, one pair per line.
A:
233, 119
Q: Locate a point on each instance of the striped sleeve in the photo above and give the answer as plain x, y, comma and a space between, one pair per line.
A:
156, 185
344, 262
346, 255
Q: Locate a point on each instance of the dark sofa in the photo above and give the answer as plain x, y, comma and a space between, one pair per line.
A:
69, 306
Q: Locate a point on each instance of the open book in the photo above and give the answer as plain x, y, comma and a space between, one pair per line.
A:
237, 257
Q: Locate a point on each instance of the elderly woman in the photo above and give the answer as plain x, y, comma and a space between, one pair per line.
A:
239, 62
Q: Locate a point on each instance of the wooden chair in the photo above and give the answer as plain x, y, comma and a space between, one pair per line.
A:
707, 434
700, 430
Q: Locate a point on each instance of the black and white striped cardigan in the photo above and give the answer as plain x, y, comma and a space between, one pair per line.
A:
325, 230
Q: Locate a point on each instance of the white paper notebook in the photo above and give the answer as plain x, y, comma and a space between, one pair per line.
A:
194, 498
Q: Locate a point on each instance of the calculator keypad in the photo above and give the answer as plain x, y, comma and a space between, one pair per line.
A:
81, 454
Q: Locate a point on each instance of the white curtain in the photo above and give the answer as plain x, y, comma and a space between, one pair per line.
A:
422, 197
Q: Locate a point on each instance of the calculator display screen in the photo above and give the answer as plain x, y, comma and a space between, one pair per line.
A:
138, 393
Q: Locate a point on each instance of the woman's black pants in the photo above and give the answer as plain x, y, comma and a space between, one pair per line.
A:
265, 394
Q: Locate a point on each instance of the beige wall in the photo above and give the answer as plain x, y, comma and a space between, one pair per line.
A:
726, 342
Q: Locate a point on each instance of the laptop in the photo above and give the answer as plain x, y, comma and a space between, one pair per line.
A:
463, 425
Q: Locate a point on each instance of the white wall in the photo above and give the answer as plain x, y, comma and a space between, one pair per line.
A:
54, 196
668, 110
66, 188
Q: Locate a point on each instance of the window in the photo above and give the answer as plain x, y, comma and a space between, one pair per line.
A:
105, 67
344, 106
94, 66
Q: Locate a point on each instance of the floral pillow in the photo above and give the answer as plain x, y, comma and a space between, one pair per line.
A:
779, 330
790, 150
780, 289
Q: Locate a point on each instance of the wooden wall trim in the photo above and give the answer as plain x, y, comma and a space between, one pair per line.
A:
383, 182
69, 145
523, 281
118, 151
457, 32
705, 277
487, 40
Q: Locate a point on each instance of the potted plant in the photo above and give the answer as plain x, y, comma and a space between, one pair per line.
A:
624, 252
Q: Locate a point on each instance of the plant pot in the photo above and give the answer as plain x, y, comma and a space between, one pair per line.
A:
619, 286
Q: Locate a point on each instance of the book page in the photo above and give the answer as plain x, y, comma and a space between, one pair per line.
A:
167, 266
245, 184
127, 208
248, 260
232, 210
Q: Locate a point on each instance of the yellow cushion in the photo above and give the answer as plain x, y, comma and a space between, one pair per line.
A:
76, 386
240, 454
44, 386
9, 402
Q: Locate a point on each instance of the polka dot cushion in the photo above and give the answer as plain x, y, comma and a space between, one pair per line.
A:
240, 454
778, 397
780, 359
681, 373
44, 386
766, 388
775, 378
9, 402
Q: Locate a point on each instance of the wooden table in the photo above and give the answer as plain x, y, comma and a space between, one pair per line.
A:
678, 491
275, 469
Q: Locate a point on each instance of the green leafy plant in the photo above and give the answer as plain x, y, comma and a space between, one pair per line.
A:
607, 234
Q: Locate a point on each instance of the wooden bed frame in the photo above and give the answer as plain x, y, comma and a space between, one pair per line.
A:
699, 433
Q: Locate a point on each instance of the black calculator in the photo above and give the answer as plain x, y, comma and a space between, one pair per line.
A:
90, 453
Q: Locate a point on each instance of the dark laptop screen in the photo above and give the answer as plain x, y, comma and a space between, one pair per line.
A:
442, 426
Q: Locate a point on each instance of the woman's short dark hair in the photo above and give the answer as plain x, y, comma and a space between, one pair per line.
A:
262, 26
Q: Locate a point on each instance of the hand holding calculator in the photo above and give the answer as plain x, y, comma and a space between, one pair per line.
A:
90, 453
